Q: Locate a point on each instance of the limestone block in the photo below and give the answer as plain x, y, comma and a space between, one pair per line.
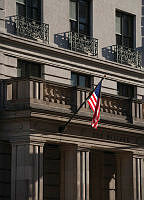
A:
109, 91
8, 71
57, 79
2, 14
57, 71
1, 57
2, 5
2, 26
140, 91
10, 61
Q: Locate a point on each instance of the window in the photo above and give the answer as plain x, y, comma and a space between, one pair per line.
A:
27, 69
81, 80
124, 29
29, 8
79, 16
126, 90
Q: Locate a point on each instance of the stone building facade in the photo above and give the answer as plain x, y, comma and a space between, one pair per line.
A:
52, 53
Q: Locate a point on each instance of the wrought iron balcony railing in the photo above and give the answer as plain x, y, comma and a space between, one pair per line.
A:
28, 28
83, 43
127, 56
24, 93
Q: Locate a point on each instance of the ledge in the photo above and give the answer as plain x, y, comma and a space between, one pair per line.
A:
33, 50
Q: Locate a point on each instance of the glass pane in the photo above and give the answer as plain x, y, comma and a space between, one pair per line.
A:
118, 25
35, 14
125, 25
130, 26
83, 12
119, 39
20, 10
74, 79
29, 12
74, 26
83, 29
82, 81
35, 70
73, 10
35, 3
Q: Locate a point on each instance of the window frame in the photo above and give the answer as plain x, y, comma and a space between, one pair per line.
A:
126, 90
88, 80
126, 40
29, 7
25, 69
77, 20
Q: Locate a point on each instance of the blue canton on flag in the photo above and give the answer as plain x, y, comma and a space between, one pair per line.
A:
94, 103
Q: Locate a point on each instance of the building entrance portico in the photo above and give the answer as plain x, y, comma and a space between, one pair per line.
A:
72, 172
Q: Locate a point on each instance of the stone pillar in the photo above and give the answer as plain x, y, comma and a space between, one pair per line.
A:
138, 177
82, 174
74, 173
27, 172
68, 172
124, 176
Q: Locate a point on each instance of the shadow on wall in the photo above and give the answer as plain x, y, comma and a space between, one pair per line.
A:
62, 40
10, 25
108, 53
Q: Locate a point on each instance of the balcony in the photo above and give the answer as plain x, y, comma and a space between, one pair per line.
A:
77, 42
27, 28
127, 56
19, 94
83, 43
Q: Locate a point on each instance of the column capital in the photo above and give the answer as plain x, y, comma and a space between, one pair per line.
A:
138, 154
23, 141
83, 149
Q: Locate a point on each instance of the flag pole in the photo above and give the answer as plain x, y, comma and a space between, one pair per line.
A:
62, 128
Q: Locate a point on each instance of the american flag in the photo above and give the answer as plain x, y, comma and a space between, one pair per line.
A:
94, 103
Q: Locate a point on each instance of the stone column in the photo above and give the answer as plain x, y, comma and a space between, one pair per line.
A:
138, 177
68, 172
124, 176
27, 172
74, 173
82, 174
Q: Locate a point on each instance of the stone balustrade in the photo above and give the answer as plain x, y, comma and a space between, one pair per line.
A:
18, 93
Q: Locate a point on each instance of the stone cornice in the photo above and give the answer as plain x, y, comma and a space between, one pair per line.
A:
51, 55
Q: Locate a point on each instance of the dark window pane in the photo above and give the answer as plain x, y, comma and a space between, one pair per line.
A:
29, 12
125, 90
82, 81
83, 13
29, 69
35, 3
74, 79
20, 9
125, 25
35, 14
35, 70
119, 39
74, 26
83, 29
